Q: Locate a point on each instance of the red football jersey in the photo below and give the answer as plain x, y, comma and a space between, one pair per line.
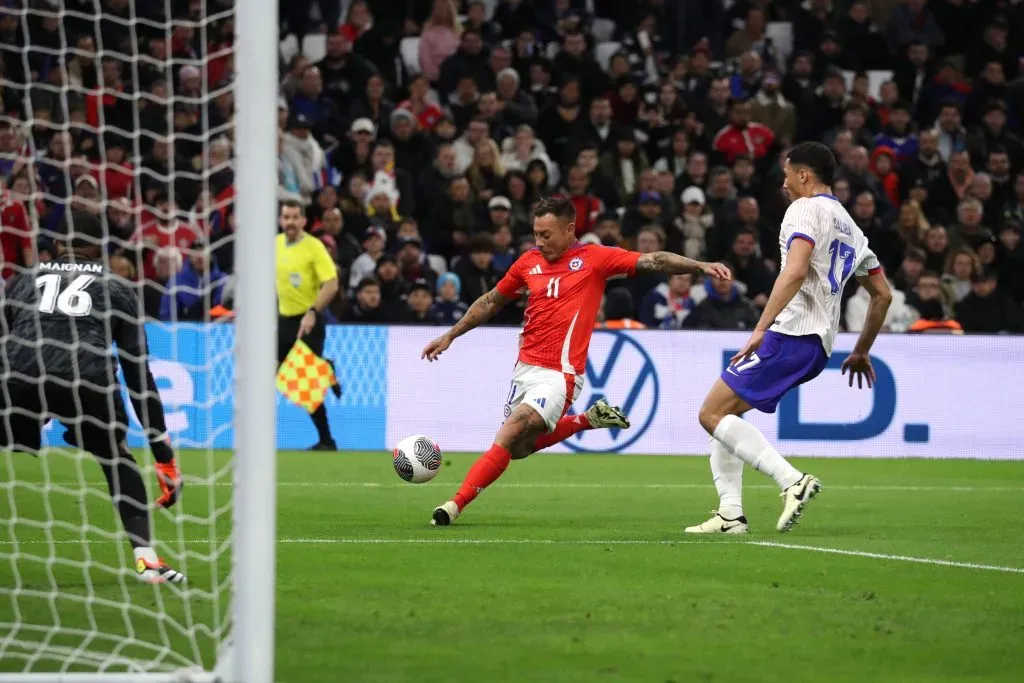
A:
564, 298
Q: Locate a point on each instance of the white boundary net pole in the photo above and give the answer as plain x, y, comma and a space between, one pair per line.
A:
255, 523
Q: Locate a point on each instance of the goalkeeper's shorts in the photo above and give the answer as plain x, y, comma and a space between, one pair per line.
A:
94, 416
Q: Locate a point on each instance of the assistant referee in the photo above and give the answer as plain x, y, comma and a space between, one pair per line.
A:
307, 281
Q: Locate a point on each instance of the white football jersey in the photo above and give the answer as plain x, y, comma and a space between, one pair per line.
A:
840, 251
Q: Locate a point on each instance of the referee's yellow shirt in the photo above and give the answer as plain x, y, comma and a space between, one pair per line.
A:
302, 268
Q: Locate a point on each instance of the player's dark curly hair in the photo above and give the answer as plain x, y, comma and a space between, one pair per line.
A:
815, 156
558, 206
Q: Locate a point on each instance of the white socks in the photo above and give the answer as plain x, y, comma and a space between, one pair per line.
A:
147, 554
727, 471
750, 446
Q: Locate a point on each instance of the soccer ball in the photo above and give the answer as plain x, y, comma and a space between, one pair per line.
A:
417, 459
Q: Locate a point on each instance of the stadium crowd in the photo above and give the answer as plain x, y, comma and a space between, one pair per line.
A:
418, 133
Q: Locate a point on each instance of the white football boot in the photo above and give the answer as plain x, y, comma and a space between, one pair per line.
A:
445, 514
601, 415
156, 572
795, 498
720, 525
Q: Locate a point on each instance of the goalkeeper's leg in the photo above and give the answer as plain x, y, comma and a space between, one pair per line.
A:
128, 492
100, 429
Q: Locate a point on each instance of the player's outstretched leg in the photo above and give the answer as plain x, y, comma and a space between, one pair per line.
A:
128, 492
515, 439
601, 415
727, 471
720, 416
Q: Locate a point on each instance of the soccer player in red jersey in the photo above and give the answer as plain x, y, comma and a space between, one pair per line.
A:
565, 280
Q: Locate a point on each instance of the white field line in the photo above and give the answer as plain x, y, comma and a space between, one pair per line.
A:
568, 485
595, 542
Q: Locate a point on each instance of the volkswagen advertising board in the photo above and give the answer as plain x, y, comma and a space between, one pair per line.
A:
936, 396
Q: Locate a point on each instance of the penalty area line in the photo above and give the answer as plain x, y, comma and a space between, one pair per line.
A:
565, 542
572, 542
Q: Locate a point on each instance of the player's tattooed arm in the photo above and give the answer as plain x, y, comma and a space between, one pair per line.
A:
482, 310
674, 264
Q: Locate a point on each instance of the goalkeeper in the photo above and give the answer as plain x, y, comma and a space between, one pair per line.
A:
58, 324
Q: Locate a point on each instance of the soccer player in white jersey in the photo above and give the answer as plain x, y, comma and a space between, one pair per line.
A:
821, 248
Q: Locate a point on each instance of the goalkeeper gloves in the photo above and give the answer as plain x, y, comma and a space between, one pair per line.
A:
167, 472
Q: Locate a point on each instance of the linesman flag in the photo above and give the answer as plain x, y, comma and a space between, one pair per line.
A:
305, 378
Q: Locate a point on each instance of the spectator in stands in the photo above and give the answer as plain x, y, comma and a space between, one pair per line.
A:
750, 37
422, 104
884, 242
365, 306
374, 105
476, 270
935, 313
745, 83
911, 224
667, 305
926, 165
419, 303
982, 189
771, 109
486, 173
575, 60
968, 230
1014, 211
193, 289
828, 107
883, 166
499, 214
911, 22
854, 118
587, 206
856, 169
374, 241
382, 204
992, 134
936, 248
1011, 271
725, 308
448, 307
556, 122
346, 247
648, 211
987, 309
440, 38
617, 311
997, 163
598, 129
319, 109
392, 288
537, 178
455, 219
994, 46
748, 269
689, 230
470, 60
674, 161
810, 23
623, 166
898, 134
412, 262
518, 152
961, 267
303, 153
741, 136
413, 149
519, 107
911, 269
344, 72
898, 318
383, 161
864, 47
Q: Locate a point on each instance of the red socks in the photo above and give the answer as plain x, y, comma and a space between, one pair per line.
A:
489, 466
484, 472
565, 428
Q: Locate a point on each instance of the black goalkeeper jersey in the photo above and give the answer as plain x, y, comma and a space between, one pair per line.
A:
59, 321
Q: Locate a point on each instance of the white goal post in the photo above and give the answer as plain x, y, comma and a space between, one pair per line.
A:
71, 610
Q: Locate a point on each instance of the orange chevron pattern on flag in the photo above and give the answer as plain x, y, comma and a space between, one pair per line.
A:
305, 378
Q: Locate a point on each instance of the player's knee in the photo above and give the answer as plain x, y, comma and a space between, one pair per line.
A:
709, 416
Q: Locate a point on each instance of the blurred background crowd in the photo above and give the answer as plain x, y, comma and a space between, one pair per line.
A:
418, 133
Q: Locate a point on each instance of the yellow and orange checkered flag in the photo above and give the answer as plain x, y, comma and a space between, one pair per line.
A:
305, 378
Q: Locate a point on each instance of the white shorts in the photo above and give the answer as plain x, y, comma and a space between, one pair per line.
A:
547, 391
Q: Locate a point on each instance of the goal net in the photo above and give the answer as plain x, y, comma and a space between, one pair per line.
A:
127, 110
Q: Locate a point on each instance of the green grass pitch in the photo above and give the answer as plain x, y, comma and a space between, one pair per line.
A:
571, 568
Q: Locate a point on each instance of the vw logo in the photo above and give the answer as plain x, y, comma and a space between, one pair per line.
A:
620, 371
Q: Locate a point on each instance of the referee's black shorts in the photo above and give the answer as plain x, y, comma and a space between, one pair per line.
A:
288, 331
